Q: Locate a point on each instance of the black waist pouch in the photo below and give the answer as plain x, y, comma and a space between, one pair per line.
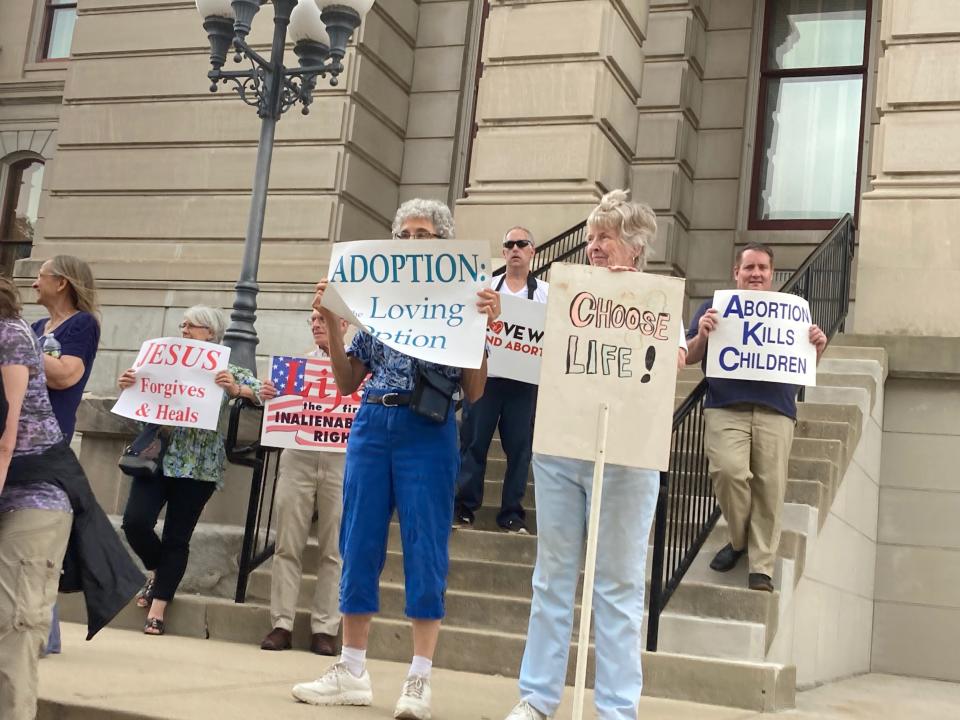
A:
433, 395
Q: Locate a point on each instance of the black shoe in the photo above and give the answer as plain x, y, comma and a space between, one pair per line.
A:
727, 558
462, 519
759, 581
516, 526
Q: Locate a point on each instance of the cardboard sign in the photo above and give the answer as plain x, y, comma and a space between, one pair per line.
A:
610, 337
416, 296
175, 383
516, 340
762, 336
309, 413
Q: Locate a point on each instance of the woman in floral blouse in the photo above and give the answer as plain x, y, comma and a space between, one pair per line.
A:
192, 470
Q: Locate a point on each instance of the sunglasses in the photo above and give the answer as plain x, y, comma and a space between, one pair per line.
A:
511, 244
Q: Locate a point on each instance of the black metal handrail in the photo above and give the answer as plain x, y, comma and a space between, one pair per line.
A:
687, 508
258, 542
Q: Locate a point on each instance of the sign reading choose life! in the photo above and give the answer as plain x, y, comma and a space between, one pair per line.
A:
416, 296
175, 383
611, 337
762, 336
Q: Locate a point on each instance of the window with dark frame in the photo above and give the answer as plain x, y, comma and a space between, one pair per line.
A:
59, 19
21, 201
810, 115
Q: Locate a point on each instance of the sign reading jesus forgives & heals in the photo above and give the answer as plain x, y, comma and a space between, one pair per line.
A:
611, 337
416, 296
175, 383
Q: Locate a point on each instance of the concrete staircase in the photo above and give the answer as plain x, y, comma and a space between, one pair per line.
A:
715, 634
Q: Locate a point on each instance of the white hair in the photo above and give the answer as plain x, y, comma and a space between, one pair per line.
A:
433, 210
636, 223
208, 317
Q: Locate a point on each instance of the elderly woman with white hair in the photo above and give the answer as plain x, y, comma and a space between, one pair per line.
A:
192, 470
396, 459
618, 237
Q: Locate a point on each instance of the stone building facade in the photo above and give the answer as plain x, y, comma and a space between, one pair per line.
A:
525, 112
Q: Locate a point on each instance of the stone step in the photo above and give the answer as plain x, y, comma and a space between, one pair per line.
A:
747, 685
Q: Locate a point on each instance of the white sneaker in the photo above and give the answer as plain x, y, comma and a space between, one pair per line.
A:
414, 702
337, 686
525, 711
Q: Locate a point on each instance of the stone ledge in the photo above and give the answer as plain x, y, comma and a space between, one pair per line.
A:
912, 356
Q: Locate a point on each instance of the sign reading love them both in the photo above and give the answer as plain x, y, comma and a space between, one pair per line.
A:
174, 383
515, 340
417, 296
762, 336
309, 413
611, 337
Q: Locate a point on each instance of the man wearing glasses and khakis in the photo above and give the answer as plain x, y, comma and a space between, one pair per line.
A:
507, 403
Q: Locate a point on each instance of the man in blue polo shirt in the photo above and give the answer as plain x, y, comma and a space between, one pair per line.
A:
749, 431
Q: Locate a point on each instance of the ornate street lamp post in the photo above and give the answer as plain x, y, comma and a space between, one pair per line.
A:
320, 30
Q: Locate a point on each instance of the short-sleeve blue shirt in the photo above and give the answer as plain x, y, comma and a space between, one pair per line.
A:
780, 397
391, 370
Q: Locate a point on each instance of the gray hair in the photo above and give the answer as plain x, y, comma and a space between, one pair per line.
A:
433, 210
636, 223
208, 317
520, 227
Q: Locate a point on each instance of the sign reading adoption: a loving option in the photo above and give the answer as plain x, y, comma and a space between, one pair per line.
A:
174, 383
762, 336
417, 296
516, 340
610, 337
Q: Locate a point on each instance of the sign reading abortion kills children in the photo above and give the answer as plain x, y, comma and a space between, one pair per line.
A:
175, 383
309, 413
416, 296
516, 340
611, 337
762, 336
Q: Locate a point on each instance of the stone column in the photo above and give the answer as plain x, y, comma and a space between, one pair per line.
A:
909, 265
556, 113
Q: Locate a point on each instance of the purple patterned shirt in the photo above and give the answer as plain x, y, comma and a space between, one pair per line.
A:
38, 429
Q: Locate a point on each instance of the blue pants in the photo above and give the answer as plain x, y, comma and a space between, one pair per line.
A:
628, 504
397, 459
509, 404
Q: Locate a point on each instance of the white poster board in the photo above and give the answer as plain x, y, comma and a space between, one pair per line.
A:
762, 336
174, 383
416, 296
309, 413
515, 340
611, 337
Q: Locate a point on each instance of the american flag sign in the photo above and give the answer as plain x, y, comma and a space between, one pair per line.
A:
309, 413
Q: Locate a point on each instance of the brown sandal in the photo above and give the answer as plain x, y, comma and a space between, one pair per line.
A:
145, 596
154, 626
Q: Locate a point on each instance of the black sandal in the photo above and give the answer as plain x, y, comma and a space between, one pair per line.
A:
153, 624
145, 596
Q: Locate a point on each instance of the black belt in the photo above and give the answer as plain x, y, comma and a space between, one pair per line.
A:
390, 399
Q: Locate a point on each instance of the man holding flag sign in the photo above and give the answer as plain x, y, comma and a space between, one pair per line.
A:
764, 346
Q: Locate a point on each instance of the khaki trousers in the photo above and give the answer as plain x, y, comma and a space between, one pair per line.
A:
308, 481
748, 447
32, 546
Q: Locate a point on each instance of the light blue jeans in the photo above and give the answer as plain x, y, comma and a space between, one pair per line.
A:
628, 504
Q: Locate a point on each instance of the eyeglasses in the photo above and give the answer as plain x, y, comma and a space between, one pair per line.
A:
416, 235
311, 321
511, 244
191, 326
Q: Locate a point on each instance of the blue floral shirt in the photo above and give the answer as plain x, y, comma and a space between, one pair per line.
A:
391, 370
199, 454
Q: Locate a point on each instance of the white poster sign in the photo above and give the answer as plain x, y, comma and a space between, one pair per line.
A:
762, 336
516, 340
611, 337
309, 413
417, 296
175, 383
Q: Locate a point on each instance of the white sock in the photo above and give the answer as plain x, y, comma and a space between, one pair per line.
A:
355, 659
420, 666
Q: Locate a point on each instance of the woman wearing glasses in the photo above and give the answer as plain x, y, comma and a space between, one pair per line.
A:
192, 470
69, 339
396, 459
